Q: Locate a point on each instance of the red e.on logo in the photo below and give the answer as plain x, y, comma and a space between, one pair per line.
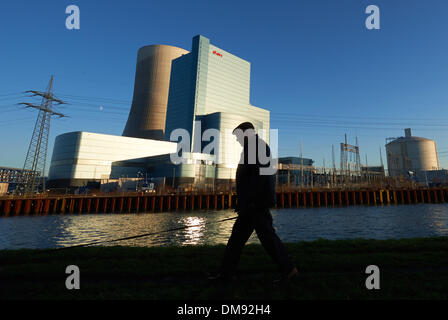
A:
217, 53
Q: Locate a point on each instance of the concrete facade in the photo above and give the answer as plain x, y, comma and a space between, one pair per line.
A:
210, 89
82, 157
195, 169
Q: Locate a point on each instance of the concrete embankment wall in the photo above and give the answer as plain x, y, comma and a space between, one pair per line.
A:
163, 203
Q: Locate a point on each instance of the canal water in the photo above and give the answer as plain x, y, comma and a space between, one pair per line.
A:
292, 225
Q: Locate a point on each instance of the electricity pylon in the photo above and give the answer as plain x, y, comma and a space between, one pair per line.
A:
36, 157
350, 151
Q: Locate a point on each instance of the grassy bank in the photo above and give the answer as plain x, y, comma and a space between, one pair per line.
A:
410, 268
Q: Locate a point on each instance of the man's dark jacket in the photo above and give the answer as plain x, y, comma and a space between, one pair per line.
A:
254, 191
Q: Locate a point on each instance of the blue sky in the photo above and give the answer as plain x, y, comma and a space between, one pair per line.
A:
315, 66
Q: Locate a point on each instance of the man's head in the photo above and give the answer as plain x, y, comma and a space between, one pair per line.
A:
245, 129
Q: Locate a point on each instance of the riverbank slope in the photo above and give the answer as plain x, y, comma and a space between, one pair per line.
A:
336, 269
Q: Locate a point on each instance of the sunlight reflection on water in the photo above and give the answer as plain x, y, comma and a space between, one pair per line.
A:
292, 225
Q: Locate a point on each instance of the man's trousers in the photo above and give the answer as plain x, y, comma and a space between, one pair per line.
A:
259, 220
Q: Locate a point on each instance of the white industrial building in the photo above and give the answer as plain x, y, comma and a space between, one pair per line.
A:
82, 157
410, 155
206, 88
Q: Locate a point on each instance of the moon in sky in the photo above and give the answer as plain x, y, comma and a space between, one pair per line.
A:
101, 108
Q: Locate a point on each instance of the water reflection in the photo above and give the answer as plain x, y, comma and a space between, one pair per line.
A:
194, 234
292, 225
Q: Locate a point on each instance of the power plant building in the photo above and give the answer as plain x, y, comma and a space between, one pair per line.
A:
411, 155
210, 89
83, 157
207, 88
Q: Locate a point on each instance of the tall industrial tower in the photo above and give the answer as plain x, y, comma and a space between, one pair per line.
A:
34, 167
147, 116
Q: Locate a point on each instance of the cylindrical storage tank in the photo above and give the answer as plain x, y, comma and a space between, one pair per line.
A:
152, 81
411, 154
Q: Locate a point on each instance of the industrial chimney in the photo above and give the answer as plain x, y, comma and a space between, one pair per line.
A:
407, 132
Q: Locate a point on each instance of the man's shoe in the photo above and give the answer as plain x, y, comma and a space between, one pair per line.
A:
284, 280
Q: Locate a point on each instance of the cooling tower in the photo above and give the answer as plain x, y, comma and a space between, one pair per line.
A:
152, 80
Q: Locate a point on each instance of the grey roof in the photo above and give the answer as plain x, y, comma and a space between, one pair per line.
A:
408, 139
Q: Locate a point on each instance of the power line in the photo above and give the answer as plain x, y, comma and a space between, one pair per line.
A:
14, 121
139, 236
316, 127
34, 167
90, 98
326, 122
10, 94
289, 114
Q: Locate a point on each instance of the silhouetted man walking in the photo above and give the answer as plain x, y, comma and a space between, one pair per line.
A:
255, 195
